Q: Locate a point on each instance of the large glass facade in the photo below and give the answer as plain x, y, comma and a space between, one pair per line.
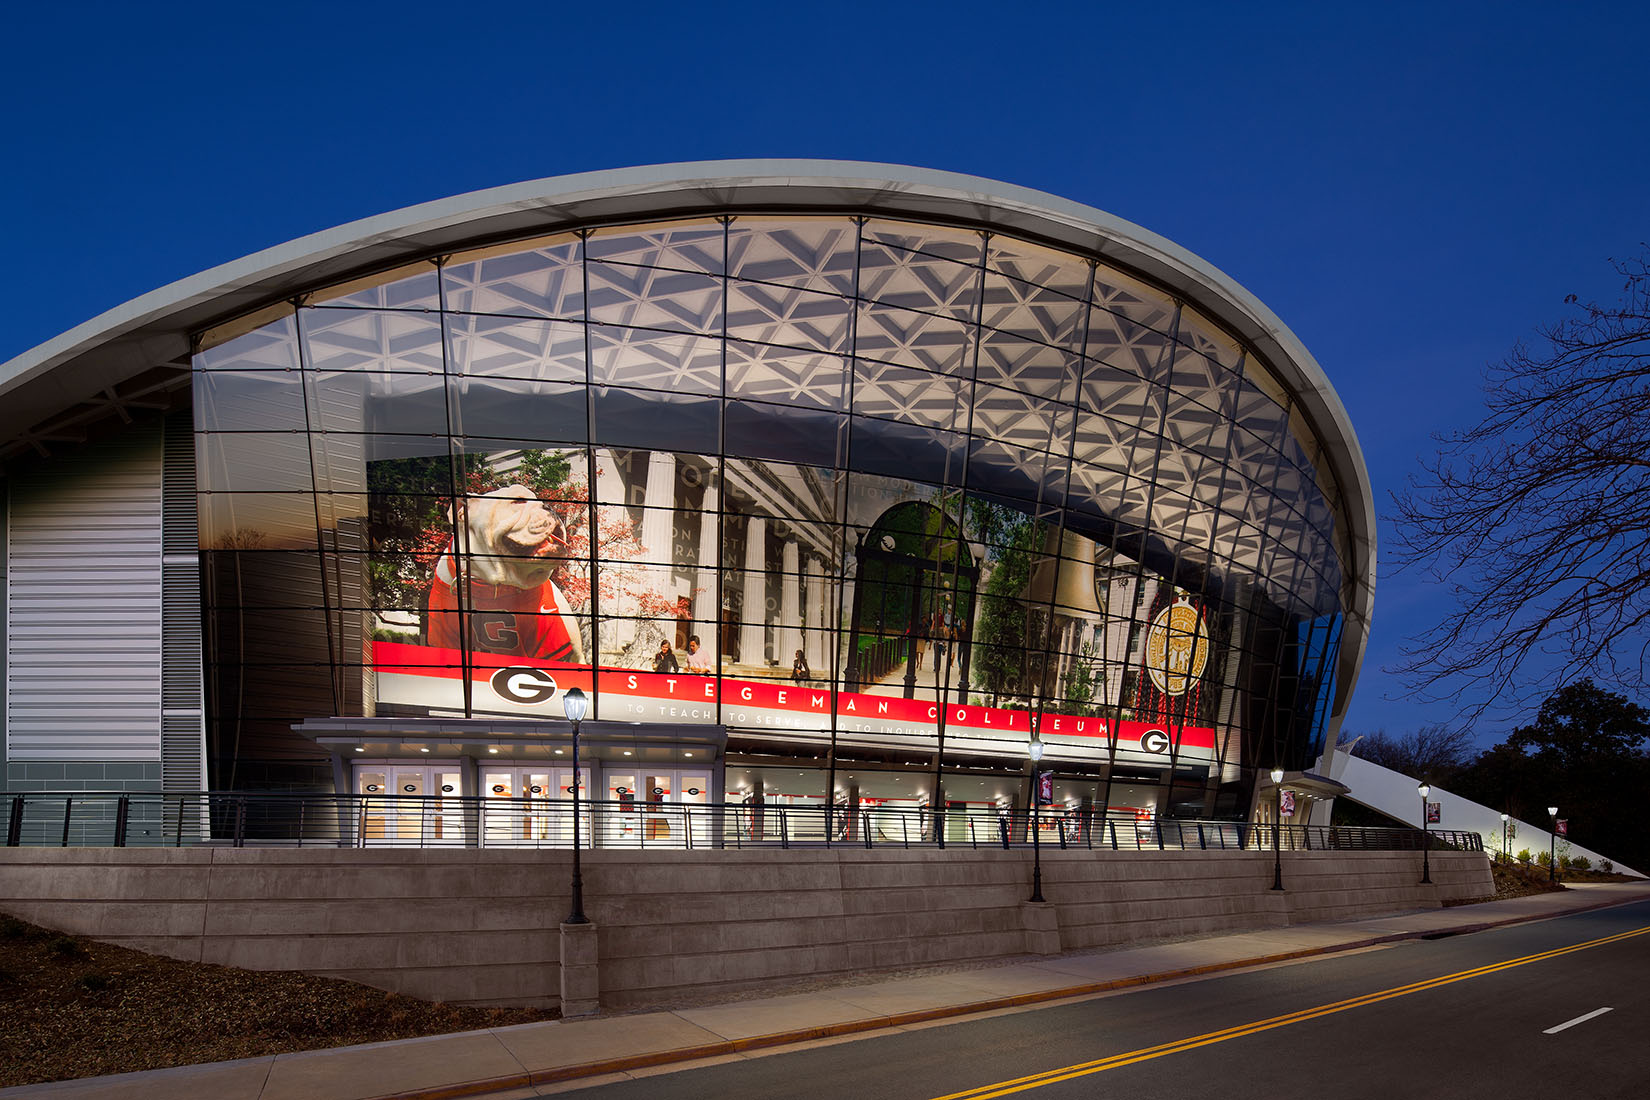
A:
875, 495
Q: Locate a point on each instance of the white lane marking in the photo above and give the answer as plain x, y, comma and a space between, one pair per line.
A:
1574, 1022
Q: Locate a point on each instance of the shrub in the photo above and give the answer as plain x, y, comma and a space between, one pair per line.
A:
94, 981
1563, 862
1606, 866
1524, 855
12, 929
1581, 863
65, 946
1545, 859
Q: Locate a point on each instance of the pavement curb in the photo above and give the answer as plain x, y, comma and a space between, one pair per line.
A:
622, 1064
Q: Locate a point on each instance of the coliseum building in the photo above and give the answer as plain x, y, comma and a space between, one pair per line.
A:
828, 483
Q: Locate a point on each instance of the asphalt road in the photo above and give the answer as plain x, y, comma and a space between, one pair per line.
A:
1459, 1017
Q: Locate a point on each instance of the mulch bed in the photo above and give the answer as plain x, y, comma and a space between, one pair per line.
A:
73, 1007
1513, 880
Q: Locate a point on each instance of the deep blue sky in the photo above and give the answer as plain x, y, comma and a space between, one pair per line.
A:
1411, 187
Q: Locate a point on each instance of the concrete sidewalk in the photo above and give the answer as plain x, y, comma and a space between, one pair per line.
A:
540, 1059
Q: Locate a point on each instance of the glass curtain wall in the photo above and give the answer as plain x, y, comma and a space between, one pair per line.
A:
875, 495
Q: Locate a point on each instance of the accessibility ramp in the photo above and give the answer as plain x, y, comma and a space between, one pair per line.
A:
1393, 793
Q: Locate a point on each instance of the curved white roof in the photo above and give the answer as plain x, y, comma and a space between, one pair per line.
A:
130, 341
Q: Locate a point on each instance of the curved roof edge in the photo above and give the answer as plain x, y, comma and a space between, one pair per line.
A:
154, 329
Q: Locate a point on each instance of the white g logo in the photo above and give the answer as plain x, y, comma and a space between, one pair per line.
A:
524, 685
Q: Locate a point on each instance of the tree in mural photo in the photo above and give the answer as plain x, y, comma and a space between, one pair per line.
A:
1004, 665
1536, 520
1083, 679
409, 507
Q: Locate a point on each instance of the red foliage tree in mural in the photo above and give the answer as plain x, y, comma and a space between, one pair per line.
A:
413, 528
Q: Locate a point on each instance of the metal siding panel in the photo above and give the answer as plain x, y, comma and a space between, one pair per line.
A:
5, 627
83, 595
183, 714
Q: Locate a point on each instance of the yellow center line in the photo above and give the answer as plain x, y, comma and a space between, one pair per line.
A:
1115, 1061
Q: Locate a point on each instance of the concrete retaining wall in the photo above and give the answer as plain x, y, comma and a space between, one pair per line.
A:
482, 927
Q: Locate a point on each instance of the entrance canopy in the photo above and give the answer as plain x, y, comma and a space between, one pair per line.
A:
432, 740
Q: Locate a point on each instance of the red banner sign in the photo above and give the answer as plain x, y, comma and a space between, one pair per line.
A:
434, 677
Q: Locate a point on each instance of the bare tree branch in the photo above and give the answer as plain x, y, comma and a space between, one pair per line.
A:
1431, 753
1536, 521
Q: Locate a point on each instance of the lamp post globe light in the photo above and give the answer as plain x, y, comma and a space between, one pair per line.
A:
574, 704
1426, 837
1552, 849
1035, 751
1277, 828
1505, 855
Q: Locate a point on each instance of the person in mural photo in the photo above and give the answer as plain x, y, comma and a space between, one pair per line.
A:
939, 629
799, 669
665, 660
694, 659
513, 542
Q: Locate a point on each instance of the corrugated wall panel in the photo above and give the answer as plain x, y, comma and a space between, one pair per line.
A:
83, 595
5, 624
183, 715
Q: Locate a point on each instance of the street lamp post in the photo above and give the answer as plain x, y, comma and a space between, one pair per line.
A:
1426, 837
1036, 753
1552, 849
1505, 855
1277, 827
573, 704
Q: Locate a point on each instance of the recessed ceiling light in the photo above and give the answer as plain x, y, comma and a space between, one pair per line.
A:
558, 752
423, 750
359, 749
689, 755
627, 752
494, 751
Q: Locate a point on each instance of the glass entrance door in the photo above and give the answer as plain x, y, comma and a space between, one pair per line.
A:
562, 778
652, 808
413, 806
522, 807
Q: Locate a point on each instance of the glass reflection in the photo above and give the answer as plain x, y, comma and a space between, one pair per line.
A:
908, 483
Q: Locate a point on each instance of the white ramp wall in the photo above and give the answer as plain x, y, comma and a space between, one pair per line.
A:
1393, 793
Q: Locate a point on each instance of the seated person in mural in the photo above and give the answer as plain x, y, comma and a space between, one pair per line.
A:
665, 660
694, 660
515, 542
799, 669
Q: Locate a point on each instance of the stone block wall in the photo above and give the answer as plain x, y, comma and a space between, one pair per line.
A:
449, 925
483, 927
679, 921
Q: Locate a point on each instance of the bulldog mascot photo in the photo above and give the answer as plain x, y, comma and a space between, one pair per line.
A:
513, 542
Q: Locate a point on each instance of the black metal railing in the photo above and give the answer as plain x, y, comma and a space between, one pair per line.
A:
238, 819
